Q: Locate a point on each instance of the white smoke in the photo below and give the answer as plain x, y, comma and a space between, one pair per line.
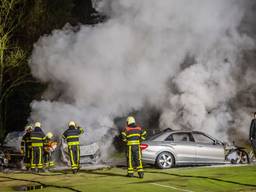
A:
137, 56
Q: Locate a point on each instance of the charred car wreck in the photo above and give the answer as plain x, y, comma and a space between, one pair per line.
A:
89, 154
10, 155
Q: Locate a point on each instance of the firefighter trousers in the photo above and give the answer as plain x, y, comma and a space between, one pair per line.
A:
253, 142
134, 159
37, 157
48, 160
27, 157
74, 155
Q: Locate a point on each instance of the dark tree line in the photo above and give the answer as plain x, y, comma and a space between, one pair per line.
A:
22, 22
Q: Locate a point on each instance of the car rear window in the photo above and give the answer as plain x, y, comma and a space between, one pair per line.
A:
155, 136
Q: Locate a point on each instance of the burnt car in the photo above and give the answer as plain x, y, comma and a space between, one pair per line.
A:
89, 154
172, 148
10, 155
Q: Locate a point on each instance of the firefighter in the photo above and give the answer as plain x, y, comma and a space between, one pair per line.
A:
71, 135
37, 141
133, 135
48, 150
252, 135
26, 147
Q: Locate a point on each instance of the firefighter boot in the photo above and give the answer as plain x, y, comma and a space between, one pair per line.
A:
41, 170
141, 174
129, 175
33, 170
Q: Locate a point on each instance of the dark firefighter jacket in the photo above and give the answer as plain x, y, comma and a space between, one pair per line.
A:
253, 129
37, 137
133, 135
25, 142
72, 135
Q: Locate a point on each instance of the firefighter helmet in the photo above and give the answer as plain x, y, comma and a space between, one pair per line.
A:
130, 120
28, 128
37, 124
72, 123
49, 135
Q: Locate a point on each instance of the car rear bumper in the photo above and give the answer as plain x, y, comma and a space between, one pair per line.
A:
148, 157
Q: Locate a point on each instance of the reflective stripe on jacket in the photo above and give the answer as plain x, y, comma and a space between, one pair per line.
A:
72, 135
25, 142
133, 135
37, 137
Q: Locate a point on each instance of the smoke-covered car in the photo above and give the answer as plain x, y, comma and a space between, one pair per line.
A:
89, 154
10, 155
171, 148
93, 152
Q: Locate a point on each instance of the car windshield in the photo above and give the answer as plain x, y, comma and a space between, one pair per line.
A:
13, 139
201, 138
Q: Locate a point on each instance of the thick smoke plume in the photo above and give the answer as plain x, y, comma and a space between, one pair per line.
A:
185, 58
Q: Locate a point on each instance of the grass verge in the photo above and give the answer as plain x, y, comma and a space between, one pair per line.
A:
199, 179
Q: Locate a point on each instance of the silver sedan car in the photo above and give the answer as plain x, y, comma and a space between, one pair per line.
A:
171, 148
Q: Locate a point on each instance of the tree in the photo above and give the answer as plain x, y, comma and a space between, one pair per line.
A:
13, 69
22, 22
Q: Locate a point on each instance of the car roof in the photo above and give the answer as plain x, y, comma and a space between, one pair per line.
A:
182, 131
166, 132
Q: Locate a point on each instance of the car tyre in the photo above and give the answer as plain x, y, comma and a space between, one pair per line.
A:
165, 160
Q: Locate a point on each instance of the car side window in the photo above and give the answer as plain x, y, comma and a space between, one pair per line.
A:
201, 138
169, 138
178, 137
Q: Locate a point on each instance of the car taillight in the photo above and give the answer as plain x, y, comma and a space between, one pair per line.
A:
143, 146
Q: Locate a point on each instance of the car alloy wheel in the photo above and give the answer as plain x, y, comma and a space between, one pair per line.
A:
165, 160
